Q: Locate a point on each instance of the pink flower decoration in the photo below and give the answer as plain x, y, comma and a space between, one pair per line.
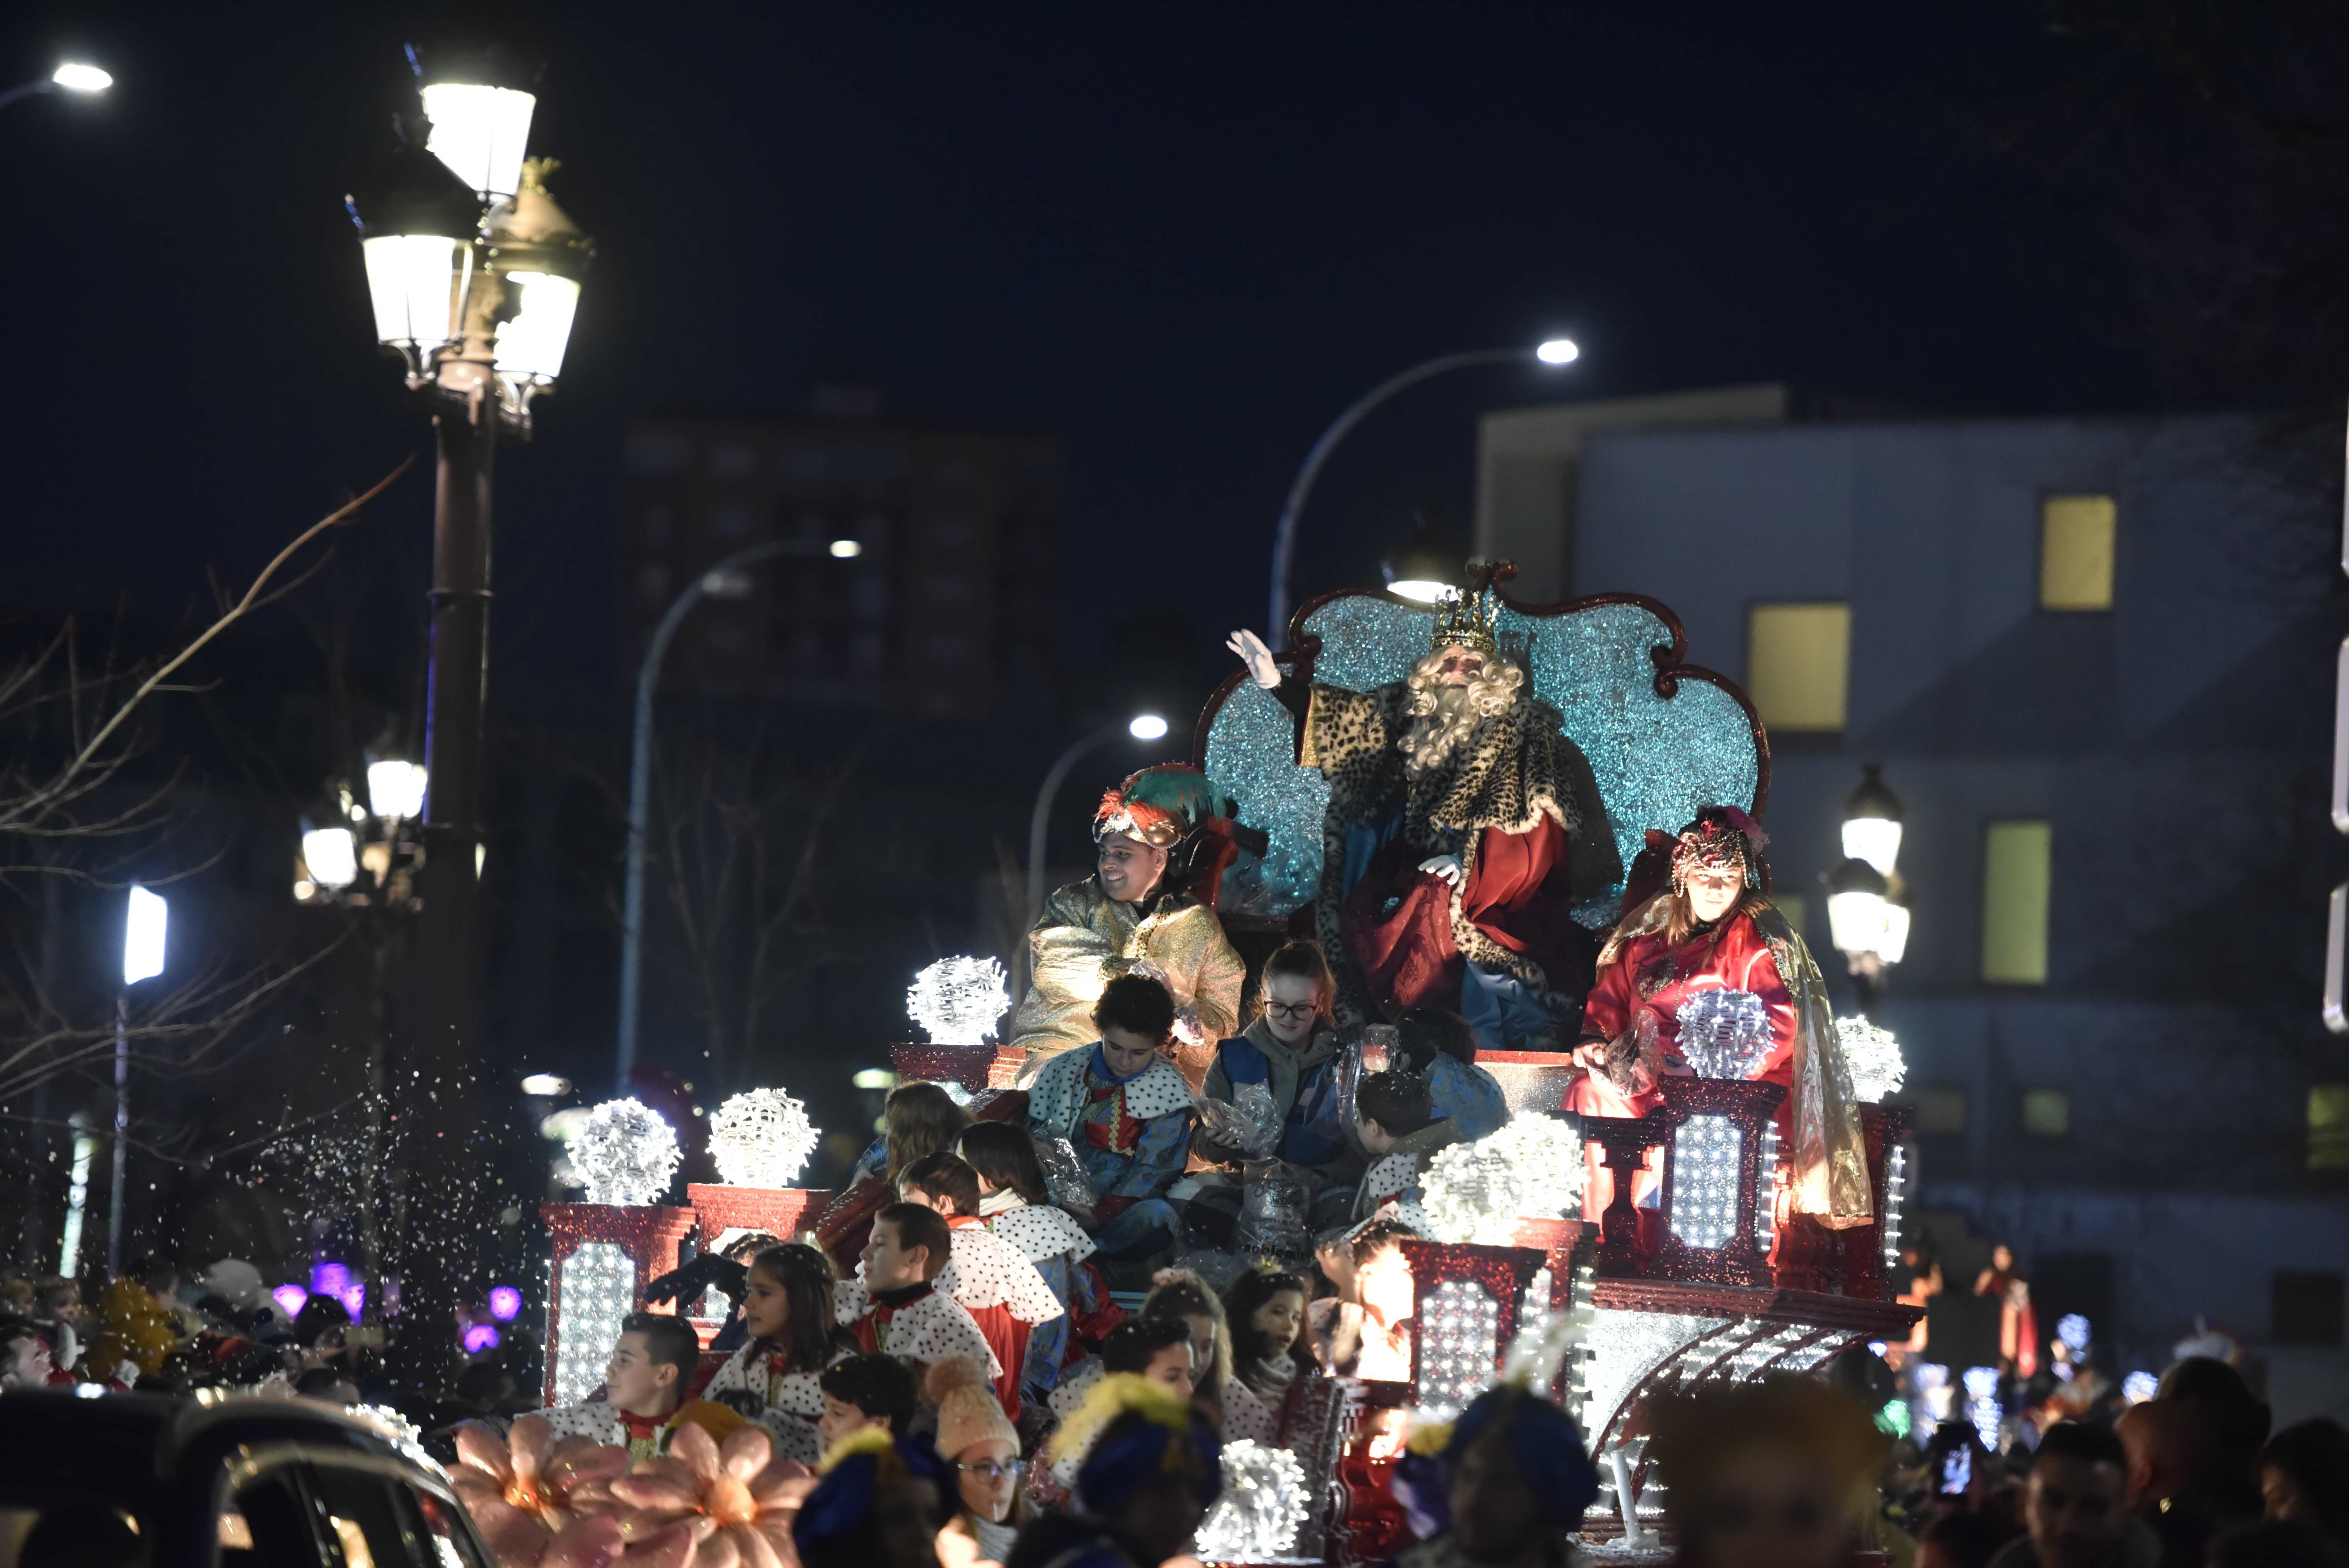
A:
538, 1502
704, 1506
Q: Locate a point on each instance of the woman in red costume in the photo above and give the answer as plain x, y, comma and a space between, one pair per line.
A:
1714, 930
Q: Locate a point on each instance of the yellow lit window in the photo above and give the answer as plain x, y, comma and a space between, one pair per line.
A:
2076, 551
2046, 1112
2328, 1127
1797, 663
2016, 857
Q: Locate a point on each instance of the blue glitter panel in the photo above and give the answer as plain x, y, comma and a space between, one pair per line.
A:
1656, 758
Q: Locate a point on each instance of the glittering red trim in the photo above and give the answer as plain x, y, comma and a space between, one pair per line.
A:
649, 1235
1502, 1272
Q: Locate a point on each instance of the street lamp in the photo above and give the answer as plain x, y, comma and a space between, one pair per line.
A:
727, 580
1143, 727
479, 304
1871, 822
1426, 566
70, 76
145, 917
1552, 352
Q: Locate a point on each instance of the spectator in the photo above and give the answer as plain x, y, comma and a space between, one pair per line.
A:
1396, 1120
321, 1331
645, 1385
789, 1316
1017, 1206
864, 1393
982, 1450
1145, 1468
1959, 1540
26, 1360
1440, 1050
1517, 1483
2304, 1476
1265, 1308
987, 1276
2075, 1510
1776, 1471
18, 1297
2018, 1322
895, 1308
881, 1504
1126, 1111
2191, 1458
138, 1327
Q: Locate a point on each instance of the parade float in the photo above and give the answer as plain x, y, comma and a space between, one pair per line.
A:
1696, 1258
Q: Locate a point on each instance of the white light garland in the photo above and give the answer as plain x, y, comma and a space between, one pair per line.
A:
760, 1138
1724, 1034
1874, 1058
1264, 1501
1706, 1156
1896, 1188
1625, 1346
594, 1289
1530, 1168
958, 1000
624, 1154
1982, 1405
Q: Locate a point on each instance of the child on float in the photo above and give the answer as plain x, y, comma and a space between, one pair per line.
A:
1017, 1206
1144, 1466
863, 1393
894, 1307
1266, 1309
788, 1314
1396, 1119
1229, 1403
1361, 1330
919, 1119
987, 1276
1439, 1049
644, 1386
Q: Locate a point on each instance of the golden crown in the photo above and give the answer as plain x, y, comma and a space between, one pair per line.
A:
1468, 621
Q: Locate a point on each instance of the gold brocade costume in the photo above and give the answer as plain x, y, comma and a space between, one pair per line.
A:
1086, 939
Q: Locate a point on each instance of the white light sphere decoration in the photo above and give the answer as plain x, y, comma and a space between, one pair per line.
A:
626, 1154
1874, 1058
958, 1000
1724, 1034
1530, 1168
760, 1138
1264, 1501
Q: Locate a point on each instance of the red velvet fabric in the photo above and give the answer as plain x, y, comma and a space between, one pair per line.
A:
1007, 1337
1518, 896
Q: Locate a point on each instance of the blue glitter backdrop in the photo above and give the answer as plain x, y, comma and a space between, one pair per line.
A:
1657, 758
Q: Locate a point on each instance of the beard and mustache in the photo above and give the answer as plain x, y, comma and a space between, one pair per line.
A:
1444, 717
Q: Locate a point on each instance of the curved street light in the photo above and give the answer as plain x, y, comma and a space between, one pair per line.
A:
1553, 352
725, 580
71, 77
1143, 727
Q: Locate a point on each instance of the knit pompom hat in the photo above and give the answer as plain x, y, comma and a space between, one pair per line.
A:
969, 1413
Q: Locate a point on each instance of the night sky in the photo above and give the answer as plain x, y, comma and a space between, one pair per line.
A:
1182, 237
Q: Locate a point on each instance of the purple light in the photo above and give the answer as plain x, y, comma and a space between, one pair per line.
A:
354, 1300
505, 1303
289, 1298
330, 1279
481, 1336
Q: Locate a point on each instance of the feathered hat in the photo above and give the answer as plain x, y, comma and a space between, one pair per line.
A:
1106, 1458
1172, 806
857, 1470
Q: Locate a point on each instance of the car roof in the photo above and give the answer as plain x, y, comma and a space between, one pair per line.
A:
148, 1442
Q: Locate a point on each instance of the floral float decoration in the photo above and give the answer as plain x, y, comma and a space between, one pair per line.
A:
704, 1504
537, 1501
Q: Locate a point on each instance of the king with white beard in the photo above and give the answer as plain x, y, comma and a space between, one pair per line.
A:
1462, 826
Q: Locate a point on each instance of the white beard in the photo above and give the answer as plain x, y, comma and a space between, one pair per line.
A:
1432, 738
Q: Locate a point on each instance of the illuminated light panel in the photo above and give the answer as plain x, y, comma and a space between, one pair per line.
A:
1459, 1342
1766, 1188
1706, 1152
594, 1291
530, 346
417, 282
479, 132
1625, 1346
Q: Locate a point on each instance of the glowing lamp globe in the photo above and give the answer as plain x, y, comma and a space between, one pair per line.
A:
959, 1000
1558, 351
624, 1154
77, 77
289, 1298
395, 788
481, 1336
505, 1303
416, 224
760, 1138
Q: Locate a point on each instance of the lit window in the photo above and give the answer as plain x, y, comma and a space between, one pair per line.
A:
2328, 1127
1797, 663
2016, 857
2076, 551
1941, 1110
2046, 1112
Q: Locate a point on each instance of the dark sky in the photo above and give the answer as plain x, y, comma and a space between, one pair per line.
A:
1182, 236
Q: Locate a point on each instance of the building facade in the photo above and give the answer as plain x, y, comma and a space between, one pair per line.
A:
2094, 660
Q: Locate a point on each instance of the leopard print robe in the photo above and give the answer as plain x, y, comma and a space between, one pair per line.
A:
1513, 769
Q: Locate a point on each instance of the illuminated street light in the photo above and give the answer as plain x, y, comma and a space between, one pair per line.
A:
1146, 727
846, 550
1871, 822
145, 918
396, 789
1553, 353
77, 77
331, 857
1426, 566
